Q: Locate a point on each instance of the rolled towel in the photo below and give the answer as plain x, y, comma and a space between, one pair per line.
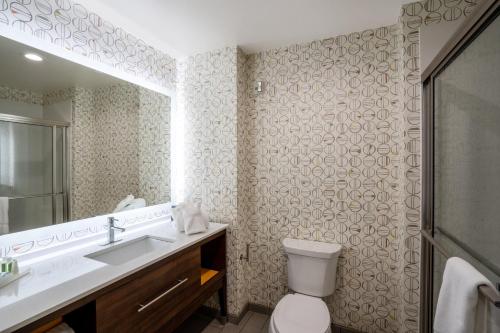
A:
135, 204
130, 203
124, 203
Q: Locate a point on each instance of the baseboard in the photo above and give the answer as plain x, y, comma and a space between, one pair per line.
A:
235, 319
215, 313
260, 309
342, 329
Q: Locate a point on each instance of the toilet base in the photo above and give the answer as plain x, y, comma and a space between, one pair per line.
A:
272, 329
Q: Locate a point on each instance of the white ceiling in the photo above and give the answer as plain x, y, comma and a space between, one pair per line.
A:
186, 27
53, 73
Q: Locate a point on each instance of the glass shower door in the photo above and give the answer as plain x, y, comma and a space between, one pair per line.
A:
31, 175
467, 156
460, 157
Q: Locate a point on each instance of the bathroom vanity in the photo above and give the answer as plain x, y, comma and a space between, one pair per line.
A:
154, 292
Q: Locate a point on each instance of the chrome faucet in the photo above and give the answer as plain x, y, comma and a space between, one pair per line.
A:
111, 231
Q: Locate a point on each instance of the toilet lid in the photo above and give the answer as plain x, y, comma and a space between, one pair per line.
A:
296, 313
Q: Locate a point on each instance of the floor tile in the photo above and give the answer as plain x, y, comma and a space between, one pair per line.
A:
231, 328
250, 323
245, 319
216, 323
265, 328
255, 323
212, 329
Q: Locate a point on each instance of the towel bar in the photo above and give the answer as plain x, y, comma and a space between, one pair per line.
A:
492, 295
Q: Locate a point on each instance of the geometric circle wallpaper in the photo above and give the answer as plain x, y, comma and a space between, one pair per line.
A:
329, 151
75, 28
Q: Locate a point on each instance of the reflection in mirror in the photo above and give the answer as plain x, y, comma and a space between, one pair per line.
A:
76, 143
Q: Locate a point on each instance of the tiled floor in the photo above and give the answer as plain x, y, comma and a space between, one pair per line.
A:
251, 323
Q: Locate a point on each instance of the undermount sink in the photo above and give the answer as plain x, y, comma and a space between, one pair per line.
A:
126, 251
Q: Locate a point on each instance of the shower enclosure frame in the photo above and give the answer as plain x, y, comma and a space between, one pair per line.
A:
484, 14
66, 161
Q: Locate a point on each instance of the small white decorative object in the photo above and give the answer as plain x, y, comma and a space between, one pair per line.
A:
190, 218
195, 219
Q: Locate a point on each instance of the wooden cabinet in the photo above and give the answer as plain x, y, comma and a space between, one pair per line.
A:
149, 301
157, 298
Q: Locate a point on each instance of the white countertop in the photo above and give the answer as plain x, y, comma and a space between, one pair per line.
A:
64, 275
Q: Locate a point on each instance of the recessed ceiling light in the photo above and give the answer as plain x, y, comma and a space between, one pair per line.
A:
33, 57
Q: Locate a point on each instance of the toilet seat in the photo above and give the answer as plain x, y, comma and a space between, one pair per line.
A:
297, 313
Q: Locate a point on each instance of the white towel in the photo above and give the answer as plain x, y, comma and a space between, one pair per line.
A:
130, 203
195, 220
460, 307
4, 215
124, 203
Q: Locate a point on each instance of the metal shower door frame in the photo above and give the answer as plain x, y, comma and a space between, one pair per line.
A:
66, 165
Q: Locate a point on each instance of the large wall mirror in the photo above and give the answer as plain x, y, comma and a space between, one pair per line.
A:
76, 143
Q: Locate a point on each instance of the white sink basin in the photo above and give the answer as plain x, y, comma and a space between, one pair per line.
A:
126, 251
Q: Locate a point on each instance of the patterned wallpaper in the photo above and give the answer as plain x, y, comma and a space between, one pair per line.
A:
127, 158
244, 187
83, 160
75, 28
210, 117
329, 151
154, 146
207, 92
324, 146
17, 95
116, 145
120, 144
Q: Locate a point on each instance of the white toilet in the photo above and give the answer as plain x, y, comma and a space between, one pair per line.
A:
312, 268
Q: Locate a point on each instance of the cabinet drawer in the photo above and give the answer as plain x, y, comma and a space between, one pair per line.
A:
152, 299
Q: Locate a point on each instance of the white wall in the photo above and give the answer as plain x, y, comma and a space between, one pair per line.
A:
21, 109
434, 37
58, 111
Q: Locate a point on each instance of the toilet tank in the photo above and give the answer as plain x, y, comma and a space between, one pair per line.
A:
312, 266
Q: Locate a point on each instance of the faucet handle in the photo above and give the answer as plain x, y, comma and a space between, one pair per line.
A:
111, 230
111, 224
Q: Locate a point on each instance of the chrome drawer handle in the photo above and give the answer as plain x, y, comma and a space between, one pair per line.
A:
144, 307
